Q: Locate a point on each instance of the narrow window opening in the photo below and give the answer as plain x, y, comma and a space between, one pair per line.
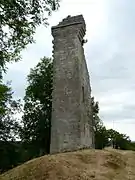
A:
83, 93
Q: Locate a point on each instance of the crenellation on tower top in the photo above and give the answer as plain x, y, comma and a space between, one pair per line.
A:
71, 26
70, 21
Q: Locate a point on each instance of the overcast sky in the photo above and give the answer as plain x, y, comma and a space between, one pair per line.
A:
110, 54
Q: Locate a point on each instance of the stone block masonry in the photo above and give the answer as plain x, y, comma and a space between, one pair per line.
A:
71, 125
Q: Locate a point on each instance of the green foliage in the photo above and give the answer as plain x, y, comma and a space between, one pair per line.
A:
5, 95
101, 138
10, 155
95, 111
37, 109
9, 126
18, 22
132, 146
118, 140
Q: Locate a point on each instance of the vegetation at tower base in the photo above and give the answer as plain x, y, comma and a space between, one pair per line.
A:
37, 108
18, 22
101, 138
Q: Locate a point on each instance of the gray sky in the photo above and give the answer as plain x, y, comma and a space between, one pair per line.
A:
109, 54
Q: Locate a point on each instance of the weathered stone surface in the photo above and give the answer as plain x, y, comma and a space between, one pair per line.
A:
71, 123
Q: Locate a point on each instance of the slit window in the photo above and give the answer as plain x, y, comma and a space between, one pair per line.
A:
82, 93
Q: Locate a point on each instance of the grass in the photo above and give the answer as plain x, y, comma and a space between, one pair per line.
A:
83, 165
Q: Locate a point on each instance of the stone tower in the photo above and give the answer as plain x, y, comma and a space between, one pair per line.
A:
72, 127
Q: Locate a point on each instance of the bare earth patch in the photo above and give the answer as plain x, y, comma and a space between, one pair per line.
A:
86, 165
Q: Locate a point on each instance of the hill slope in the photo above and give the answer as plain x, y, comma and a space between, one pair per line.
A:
84, 165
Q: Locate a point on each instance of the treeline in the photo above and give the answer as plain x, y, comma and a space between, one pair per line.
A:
33, 131
108, 137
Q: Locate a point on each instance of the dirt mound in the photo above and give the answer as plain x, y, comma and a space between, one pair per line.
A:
83, 165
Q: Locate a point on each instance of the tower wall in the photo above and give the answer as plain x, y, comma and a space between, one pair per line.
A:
71, 103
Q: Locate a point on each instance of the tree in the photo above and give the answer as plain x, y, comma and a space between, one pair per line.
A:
37, 108
10, 155
5, 95
18, 22
101, 138
8, 109
9, 127
95, 111
119, 140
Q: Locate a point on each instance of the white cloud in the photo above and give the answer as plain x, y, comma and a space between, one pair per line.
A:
109, 53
